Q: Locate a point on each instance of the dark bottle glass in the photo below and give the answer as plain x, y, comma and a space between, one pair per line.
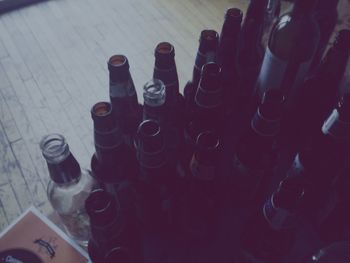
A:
292, 44
251, 51
326, 17
110, 228
208, 111
201, 207
208, 44
123, 96
228, 53
118, 255
157, 175
113, 164
272, 13
270, 235
69, 186
319, 92
255, 157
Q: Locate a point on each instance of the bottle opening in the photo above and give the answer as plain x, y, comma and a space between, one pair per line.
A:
154, 92
209, 35
208, 140
118, 254
211, 69
98, 202
117, 60
149, 128
164, 48
54, 147
234, 13
101, 109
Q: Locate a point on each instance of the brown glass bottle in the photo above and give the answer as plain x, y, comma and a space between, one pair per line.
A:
126, 109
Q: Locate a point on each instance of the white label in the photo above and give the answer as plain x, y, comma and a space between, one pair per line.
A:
273, 71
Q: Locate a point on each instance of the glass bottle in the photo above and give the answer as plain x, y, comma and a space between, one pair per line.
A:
68, 188
113, 164
157, 176
251, 51
269, 236
123, 96
208, 44
292, 45
255, 156
154, 95
227, 56
111, 227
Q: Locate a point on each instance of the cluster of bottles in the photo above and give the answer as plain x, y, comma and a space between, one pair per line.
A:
267, 131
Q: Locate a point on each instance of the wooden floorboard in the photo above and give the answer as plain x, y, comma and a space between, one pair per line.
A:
53, 68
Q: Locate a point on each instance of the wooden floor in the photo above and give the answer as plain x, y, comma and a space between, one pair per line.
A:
53, 69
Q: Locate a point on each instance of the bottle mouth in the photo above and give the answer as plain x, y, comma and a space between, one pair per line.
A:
154, 92
54, 147
149, 128
208, 141
98, 202
149, 137
117, 60
209, 35
234, 13
164, 48
101, 109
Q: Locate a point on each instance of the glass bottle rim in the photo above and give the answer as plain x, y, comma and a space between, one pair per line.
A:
54, 147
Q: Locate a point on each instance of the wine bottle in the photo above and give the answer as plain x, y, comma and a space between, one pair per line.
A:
291, 47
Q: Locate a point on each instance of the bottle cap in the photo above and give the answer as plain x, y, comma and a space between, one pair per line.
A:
118, 66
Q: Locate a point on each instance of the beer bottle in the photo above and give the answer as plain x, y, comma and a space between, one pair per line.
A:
227, 54
269, 236
272, 13
208, 111
255, 157
157, 175
123, 96
208, 43
326, 17
69, 186
291, 47
251, 51
113, 164
201, 207
111, 227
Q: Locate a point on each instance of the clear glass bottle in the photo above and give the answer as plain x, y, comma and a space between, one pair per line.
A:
69, 187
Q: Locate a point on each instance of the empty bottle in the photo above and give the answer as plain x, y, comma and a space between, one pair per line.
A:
292, 45
113, 164
69, 186
270, 235
201, 207
157, 176
111, 228
126, 109
208, 44
227, 56
255, 156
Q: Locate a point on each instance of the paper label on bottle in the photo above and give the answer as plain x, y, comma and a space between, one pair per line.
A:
273, 71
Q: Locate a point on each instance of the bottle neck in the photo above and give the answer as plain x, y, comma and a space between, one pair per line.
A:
66, 172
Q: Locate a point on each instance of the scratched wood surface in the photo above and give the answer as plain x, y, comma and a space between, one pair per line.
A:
53, 69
